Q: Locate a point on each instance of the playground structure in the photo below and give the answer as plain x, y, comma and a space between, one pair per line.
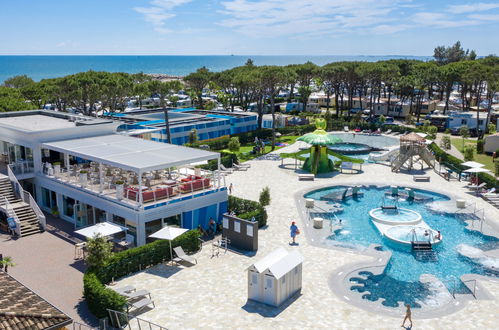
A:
413, 150
318, 160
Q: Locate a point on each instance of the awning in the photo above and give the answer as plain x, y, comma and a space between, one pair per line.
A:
476, 170
102, 228
131, 153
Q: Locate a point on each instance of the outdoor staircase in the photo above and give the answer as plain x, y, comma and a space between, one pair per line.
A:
423, 251
407, 153
29, 223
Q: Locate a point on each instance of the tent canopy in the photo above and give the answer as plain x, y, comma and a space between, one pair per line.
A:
472, 164
131, 153
102, 228
169, 233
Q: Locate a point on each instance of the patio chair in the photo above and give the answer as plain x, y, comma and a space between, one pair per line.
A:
345, 129
181, 256
137, 305
136, 294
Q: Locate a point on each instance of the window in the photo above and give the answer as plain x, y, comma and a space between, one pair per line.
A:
480, 122
174, 220
152, 227
463, 121
68, 206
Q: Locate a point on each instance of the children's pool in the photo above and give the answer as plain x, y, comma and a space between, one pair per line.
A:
400, 281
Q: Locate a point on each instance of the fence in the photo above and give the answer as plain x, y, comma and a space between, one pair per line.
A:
126, 321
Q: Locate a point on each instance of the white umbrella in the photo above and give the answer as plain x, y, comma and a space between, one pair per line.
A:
472, 164
476, 170
102, 228
169, 233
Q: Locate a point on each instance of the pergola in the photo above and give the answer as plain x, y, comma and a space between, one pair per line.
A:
129, 153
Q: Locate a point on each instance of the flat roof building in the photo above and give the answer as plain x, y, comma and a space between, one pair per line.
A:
82, 169
150, 124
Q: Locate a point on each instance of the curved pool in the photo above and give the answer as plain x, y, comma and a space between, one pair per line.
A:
406, 234
396, 216
400, 281
350, 148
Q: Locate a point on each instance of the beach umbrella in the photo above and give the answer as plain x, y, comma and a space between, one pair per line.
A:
169, 233
472, 164
476, 170
102, 228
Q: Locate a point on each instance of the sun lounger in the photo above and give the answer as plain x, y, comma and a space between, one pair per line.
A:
306, 177
124, 289
137, 305
421, 178
224, 169
136, 294
388, 132
242, 165
240, 168
181, 256
345, 129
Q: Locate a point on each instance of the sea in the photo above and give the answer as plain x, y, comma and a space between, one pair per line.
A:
41, 67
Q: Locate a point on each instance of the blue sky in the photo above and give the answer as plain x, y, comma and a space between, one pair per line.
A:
247, 27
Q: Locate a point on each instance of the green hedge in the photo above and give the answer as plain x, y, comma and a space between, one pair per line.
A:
99, 298
455, 163
247, 209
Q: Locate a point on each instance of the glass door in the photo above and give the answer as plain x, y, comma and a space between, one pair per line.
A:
81, 215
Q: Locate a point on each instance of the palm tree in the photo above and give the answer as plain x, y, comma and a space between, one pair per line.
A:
6, 262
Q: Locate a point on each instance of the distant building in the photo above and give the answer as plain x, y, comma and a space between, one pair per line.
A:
295, 106
150, 124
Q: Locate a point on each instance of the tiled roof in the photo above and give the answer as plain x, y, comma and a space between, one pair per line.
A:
21, 308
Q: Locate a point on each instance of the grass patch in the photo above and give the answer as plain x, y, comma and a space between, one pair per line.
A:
481, 158
244, 152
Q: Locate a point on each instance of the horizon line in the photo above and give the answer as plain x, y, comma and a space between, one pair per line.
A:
228, 55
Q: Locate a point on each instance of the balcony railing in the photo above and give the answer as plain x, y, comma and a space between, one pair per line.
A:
156, 188
22, 167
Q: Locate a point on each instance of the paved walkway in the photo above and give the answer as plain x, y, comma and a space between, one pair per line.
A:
453, 150
213, 293
45, 264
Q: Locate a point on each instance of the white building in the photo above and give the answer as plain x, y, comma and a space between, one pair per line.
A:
275, 278
79, 168
458, 119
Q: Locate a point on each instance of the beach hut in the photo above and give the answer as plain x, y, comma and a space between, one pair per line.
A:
275, 278
492, 143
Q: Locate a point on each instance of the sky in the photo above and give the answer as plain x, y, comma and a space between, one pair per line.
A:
246, 27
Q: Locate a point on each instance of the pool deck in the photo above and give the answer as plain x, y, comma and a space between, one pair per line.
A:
213, 293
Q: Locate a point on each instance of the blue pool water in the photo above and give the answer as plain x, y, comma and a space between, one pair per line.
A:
400, 281
350, 148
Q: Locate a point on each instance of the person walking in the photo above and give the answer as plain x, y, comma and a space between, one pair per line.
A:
230, 188
294, 231
407, 316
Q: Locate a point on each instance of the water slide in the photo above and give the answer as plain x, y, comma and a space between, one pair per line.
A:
391, 152
479, 256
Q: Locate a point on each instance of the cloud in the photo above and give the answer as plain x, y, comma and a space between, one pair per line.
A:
471, 8
276, 18
485, 17
159, 12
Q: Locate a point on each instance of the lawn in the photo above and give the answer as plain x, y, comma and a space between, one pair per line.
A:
245, 150
481, 158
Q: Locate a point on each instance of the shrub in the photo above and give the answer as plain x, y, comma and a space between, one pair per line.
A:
445, 143
234, 144
247, 209
468, 152
432, 132
99, 298
447, 131
99, 251
265, 196
479, 146
496, 168
492, 128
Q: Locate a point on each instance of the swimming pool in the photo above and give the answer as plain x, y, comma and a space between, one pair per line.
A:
400, 281
360, 146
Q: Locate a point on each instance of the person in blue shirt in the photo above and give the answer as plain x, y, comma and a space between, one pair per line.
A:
294, 231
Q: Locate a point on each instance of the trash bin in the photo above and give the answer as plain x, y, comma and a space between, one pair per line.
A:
318, 223
309, 203
460, 203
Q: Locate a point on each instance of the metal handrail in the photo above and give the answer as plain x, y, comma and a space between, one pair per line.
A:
81, 326
473, 292
126, 319
27, 198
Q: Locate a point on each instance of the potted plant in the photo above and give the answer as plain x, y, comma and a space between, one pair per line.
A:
55, 211
6, 262
57, 168
119, 189
83, 178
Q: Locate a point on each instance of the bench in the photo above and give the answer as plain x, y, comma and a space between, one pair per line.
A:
421, 178
306, 177
140, 304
